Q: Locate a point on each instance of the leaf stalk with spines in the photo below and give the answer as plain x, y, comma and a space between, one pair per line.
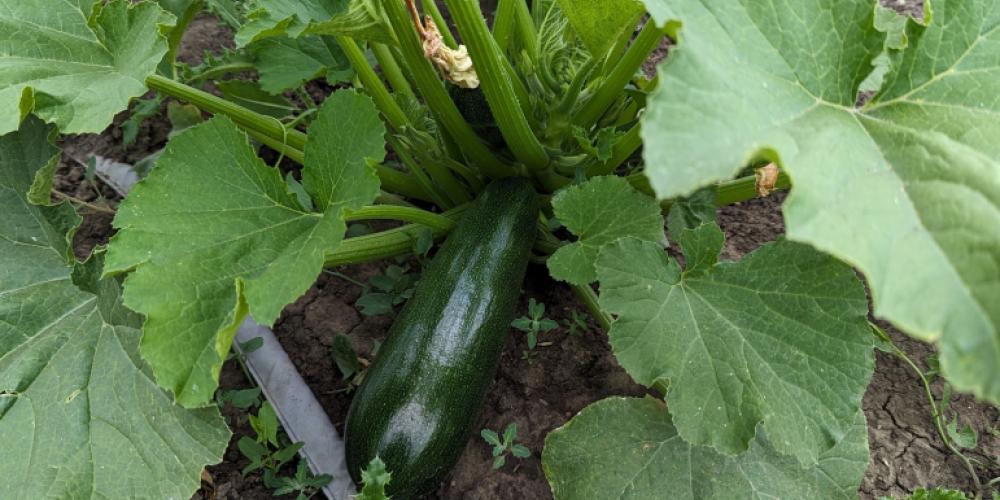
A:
372, 83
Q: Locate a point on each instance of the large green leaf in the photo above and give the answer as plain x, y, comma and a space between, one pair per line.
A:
625, 448
600, 211
213, 232
599, 23
73, 66
361, 19
285, 63
80, 415
907, 189
780, 337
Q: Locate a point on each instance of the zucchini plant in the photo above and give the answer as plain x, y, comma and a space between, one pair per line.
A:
887, 128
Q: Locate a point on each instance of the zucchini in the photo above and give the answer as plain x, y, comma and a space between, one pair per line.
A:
472, 105
423, 393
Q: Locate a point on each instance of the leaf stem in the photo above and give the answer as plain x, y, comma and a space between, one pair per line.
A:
391, 69
372, 83
225, 69
384, 244
168, 64
497, 84
406, 214
504, 23
77, 201
935, 413
525, 27
726, 193
589, 299
245, 118
611, 88
744, 188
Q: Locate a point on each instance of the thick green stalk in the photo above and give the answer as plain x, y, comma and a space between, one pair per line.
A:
405, 214
391, 69
618, 47
525, 28
726, 193
611, 88
245, 118
497, 85
745, 188
504, 24
384, 244
373, 84
428, 83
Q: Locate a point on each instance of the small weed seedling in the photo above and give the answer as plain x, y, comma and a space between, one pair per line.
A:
242, 398
533, 325
303, 483
269, 451
352, 366
501, 448
387, 290
576, 324
933, 494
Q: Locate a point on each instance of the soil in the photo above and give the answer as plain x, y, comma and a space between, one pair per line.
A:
541, 393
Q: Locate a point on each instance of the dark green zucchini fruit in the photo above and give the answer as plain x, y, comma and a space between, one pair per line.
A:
424, 391
474, 107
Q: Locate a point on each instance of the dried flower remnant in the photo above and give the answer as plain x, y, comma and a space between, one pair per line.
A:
765, 179
454, 64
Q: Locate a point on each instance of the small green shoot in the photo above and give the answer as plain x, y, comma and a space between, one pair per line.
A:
352, 366
304, 484
374, 479
576, 324
966, 438
358, 229
268, 451
933, 494
507, 444
345, 356
422, 244
533, 325
240, 398
387, 290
